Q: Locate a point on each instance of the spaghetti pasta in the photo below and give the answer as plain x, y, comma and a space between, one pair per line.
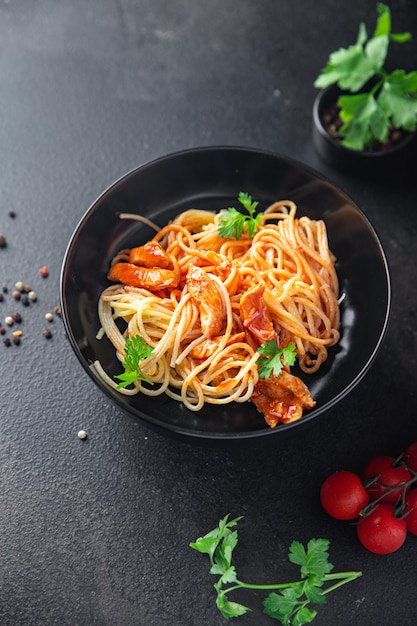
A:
206, 303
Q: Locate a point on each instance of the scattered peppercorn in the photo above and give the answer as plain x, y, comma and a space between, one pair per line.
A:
17, 333
2, 330
47, 333
2, 241
16, 294
7, 341
57, 311
16, 341
19, 285
32, 296
1, 297
26, 288
9, 320
24, 300
49, 317
44, 272
12, 213
5, 289
17, 317
82, 434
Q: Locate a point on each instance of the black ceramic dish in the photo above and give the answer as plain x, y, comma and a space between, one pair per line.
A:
211, 178
389, 160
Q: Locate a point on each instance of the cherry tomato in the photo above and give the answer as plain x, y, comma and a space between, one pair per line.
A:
411, 511
388, 477
343, 495
410, 456
381, 532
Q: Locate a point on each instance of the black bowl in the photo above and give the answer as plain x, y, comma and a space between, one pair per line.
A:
211, 178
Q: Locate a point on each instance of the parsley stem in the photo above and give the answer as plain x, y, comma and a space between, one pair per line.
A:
377, 85
242, 585
342, 577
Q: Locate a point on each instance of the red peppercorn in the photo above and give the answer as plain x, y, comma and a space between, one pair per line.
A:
44, 272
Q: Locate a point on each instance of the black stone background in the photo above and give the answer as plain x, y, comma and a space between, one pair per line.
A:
96, 532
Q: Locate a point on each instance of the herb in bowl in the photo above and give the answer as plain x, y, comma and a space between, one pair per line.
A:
136, 349
377, 105
234, 224
274, 358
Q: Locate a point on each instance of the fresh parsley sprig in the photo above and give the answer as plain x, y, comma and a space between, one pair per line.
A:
274, 358
234, 224
287, 602
136, 349
391, 99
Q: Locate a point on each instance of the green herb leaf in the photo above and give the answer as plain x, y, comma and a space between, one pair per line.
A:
281, 605
304, 616
230, 609
274, 358
209, 543
314, 593
226, 575
383, 25
398, 99
233, 223
352, 67
206, 544
364, 119
314, 561
136, 349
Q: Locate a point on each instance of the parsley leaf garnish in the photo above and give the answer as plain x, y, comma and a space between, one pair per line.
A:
233, 223
286, 602
274, 358
389, 99
136, 349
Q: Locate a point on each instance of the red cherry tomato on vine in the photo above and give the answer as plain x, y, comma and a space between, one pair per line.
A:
343, 495
388, 477
410, 456
381, 532
410, 511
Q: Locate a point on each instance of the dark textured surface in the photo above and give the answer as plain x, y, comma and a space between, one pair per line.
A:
96, 532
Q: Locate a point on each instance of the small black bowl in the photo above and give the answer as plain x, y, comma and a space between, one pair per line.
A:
211, 178
391, 159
